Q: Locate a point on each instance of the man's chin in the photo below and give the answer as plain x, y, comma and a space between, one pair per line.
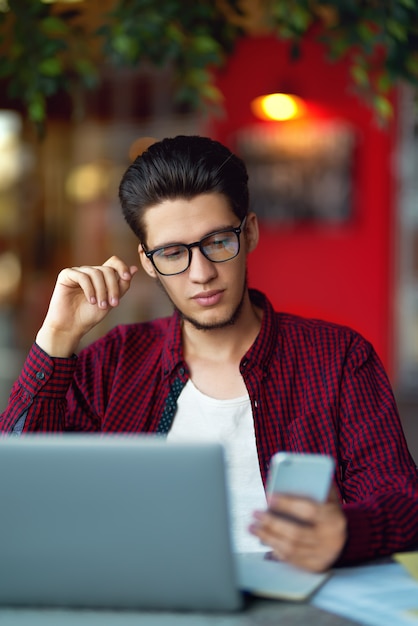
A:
209, 325
214, 324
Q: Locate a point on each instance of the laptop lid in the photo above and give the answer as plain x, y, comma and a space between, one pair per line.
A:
115, 522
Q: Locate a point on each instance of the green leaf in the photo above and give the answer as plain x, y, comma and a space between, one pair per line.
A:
203, 44
383, 107
53, 25
175, 34
50, 67
211, 93
412, 65
384, 83
409, 4
301, 19
196, 76
367, 32
397, 30
338, 47
360, 75
37, 109
85, 67
125, 46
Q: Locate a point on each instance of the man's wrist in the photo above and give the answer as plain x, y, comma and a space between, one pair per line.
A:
57, 343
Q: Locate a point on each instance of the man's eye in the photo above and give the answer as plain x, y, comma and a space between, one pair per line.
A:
171, 254
220, 241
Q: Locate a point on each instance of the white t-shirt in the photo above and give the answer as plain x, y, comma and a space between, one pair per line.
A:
229, 422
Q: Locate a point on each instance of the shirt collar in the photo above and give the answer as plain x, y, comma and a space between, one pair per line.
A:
259, 353
172, 355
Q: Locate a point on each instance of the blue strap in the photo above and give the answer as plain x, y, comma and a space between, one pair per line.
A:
170, 407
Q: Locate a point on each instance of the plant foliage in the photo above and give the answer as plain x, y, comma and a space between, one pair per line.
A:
49, 47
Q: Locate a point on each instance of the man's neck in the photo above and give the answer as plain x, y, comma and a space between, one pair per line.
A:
229, 343
213, 356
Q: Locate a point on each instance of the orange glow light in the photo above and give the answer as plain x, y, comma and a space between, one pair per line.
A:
278, 107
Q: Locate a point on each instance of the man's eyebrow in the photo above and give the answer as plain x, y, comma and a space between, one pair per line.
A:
183, 243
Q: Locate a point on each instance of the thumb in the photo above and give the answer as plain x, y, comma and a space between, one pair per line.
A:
125, 280
334, 495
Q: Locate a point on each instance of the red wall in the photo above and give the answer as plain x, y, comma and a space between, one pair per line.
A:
340, 272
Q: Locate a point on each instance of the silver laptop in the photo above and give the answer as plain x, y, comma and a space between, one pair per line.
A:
126, 522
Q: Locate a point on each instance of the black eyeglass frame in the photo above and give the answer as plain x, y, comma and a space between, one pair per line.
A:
197, 244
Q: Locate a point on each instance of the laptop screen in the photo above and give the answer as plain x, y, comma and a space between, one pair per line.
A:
115, 522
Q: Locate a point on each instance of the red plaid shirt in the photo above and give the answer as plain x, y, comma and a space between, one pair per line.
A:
314, 387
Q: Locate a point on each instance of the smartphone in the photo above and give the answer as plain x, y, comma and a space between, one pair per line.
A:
306, 475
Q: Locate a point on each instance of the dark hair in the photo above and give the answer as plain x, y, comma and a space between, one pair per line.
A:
182, 167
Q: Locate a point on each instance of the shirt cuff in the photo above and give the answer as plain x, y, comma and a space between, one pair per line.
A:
42, 371
359, 535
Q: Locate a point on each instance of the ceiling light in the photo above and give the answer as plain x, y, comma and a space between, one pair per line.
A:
278, 107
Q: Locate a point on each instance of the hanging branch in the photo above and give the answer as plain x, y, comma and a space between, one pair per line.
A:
47, 48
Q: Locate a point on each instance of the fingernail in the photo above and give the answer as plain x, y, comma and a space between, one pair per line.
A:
103, 304
114, 301
93, 300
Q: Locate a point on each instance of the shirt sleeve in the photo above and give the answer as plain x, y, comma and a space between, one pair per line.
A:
378, 475
38, 397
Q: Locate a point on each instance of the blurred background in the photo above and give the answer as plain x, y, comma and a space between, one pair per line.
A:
85, 86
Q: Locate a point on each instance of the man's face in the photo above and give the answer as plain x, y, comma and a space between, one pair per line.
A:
208, 295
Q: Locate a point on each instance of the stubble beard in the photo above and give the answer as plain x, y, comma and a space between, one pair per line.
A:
230, 321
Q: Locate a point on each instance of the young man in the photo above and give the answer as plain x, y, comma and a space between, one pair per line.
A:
225, 366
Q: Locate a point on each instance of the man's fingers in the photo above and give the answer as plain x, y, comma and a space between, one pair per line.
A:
290, 530
103, 285
124, 271
303, 532
288, 541
291, 542
333, 495
124, 274
302, 509
97, 287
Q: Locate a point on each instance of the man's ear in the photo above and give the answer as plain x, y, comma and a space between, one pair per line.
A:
251, 232
146, 263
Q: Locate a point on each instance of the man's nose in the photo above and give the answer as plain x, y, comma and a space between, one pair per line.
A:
201, 270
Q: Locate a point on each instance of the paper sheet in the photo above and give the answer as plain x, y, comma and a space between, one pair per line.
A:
410, 562
372, 595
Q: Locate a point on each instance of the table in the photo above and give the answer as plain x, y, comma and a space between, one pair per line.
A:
258, 612
375, 594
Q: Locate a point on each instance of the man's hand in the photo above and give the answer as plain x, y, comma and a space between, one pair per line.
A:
82, 298
302, 532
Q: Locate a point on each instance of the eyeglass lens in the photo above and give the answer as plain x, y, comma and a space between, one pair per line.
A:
217, 247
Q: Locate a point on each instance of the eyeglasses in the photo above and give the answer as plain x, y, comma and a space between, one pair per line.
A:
218, 247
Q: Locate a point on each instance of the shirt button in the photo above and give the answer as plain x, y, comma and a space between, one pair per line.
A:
181, 371
40, 375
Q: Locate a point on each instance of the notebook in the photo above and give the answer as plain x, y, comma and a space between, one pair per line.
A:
125, 522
